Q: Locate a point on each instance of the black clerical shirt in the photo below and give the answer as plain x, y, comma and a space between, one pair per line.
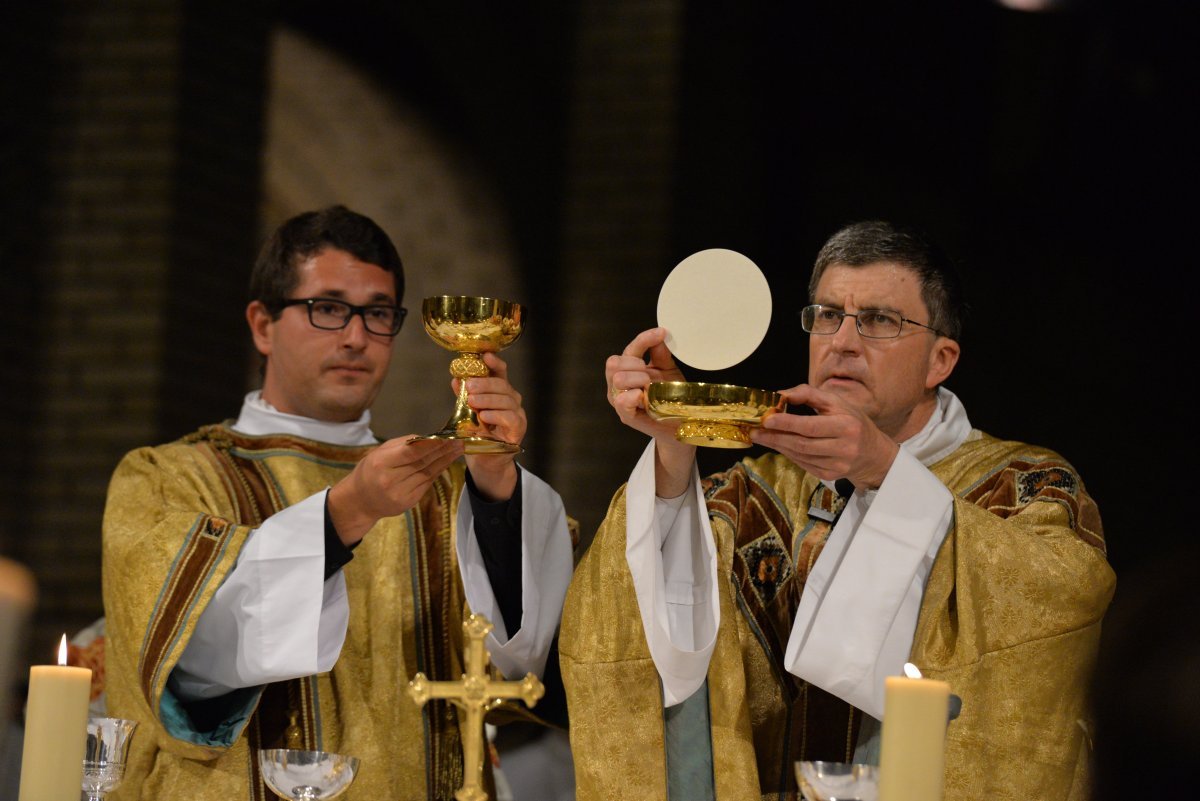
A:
498, 532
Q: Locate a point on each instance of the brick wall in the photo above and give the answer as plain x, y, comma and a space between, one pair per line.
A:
105, 214
140, 163
617, 233
335, 135
132, 241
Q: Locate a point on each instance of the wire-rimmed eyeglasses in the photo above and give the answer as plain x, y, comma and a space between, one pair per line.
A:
331, 314
871, 323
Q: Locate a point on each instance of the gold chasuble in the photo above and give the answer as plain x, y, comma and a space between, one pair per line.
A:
177, 517
1010, 618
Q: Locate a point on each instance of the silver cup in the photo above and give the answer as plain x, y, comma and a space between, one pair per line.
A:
837, 781
307, 775
104, 758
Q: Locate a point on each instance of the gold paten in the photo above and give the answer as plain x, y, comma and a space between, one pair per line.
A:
476, 694
470, 326
712, 415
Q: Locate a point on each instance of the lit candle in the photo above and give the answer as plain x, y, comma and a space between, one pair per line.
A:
55, 731
912, 755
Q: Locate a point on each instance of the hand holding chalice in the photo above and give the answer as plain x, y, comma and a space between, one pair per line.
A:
471, 326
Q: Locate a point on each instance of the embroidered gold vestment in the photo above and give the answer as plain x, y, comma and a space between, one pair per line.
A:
176, 519
1010, 618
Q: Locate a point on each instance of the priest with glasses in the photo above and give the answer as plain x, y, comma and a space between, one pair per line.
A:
720, 629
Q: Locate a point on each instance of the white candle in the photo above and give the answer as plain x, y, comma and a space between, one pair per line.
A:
55, 731
912, 757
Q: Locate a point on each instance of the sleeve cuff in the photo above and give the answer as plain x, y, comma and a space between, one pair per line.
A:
337, 554
493, 515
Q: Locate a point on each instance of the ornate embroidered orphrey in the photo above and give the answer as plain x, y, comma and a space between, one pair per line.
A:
476, 694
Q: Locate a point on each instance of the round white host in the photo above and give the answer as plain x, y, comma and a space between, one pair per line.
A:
716, 307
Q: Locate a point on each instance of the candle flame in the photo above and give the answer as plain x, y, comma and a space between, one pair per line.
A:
62, 651
911, 671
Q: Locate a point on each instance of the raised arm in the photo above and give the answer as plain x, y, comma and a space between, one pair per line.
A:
644, 360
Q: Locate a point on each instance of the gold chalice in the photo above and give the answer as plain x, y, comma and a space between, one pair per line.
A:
713, 415
469, 327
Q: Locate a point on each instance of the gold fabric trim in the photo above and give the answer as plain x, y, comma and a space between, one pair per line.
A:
182, 511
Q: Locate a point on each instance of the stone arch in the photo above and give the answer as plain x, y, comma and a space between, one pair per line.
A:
333, 135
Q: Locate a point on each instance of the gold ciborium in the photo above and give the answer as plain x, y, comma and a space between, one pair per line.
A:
712, 415
469, 327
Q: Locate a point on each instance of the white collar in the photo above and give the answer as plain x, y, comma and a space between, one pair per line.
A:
259, 418
946, 429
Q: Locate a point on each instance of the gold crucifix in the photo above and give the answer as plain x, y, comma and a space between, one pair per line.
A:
476, 694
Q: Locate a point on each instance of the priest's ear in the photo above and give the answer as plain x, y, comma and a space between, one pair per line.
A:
943, 356
260, 319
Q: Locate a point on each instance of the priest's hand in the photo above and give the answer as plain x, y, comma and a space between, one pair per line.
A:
498, 406
836, 442
387, 482
627, 376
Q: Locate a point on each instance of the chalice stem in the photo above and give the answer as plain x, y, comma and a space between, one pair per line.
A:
463, 420
463, 406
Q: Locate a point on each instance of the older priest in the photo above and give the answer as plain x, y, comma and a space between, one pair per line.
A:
717, 631
238, 617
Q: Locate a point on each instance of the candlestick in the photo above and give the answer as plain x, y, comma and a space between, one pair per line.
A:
55, 731
912, 757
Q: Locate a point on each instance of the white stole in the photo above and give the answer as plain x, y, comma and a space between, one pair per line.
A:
859, 607
276, 617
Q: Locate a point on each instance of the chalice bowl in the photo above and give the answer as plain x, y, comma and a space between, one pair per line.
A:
712, 415
470, 327
838, 781
104, 755
306, 775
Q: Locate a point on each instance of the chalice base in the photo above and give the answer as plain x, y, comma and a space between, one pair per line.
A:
713, 434
464, 424
475, 444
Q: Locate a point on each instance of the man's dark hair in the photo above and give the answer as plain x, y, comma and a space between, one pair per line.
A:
274, 277
872, 241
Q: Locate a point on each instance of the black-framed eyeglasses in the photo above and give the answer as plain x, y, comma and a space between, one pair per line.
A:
871, 323
331, 314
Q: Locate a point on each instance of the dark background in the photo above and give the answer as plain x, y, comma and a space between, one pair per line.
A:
1051, 153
